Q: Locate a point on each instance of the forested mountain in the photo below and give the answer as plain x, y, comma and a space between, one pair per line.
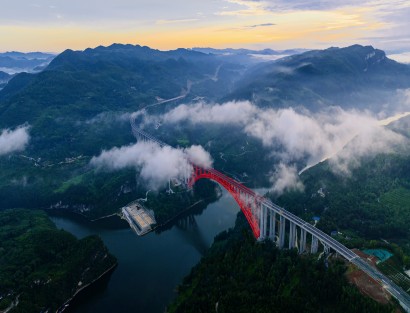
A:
15, 62
42, 267
239, 274
354, 77
81, 104
4, 78
371, 202
115, 78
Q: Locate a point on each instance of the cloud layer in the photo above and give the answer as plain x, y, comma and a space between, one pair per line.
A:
286, 178
293, 136
157, 164
14, 140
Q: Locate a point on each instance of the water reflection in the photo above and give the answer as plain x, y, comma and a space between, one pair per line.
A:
150, 267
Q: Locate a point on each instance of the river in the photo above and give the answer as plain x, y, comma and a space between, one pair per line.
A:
151, 266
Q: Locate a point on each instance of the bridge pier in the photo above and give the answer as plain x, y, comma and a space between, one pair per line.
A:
315, 245
272, 225
282, 225
326, 248
292, 235
263, 220
302, 244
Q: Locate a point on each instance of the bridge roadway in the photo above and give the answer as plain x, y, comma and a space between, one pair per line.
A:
396, 291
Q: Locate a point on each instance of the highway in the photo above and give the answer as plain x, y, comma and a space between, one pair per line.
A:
397, 292
327, 240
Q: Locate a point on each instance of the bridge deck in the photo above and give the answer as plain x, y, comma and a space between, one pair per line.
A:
396, 291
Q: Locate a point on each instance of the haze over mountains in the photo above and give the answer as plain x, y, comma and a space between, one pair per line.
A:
263, 114
353, 77
13, 62
16, 62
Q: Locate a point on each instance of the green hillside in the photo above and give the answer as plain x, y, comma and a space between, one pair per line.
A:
353, 77
239, 274
42, 267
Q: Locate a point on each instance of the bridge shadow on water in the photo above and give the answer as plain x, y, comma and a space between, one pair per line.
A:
188, 228
191, 233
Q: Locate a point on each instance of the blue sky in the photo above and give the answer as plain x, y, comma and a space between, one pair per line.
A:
52, 25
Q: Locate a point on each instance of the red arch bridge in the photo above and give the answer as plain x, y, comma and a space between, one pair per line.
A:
269, 221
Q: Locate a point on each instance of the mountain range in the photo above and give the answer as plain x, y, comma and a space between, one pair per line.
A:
81, 102
16, 62
353, 77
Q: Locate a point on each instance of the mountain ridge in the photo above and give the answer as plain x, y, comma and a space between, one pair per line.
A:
320, 78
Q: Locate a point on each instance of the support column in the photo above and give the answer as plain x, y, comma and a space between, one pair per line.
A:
272, 225
302, 244
265, 221
282, 224
315, 245
262, 222
292, 235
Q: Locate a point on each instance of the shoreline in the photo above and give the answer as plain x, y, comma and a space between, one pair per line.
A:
176, 216
104, 217
66, 304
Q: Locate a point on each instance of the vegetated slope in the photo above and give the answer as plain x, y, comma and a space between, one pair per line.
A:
43, 267
81, 103
4, 78
371, 203
19, 62
115, 78
239, 274
79, 106
353, 77
80, 89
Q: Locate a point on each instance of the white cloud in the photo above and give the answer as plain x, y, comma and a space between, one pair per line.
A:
370, 141
230, 112
286, 178
403, 57
197, 155
157, 164
245, 8
298, 136
176, 21
110, 117
14, 140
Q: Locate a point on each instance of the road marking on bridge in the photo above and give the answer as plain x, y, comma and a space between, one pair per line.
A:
252, 205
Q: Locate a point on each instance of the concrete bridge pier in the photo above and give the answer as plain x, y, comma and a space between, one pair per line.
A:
263, 221
292, 235
326, 248
272, 225
302, 243
282, 225
315, 245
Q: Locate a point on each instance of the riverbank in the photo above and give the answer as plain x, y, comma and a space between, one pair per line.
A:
151, 266
63, 262
172, 219
11, 306
104, 217
66, 305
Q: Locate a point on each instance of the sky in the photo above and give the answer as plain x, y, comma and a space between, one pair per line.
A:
56, 25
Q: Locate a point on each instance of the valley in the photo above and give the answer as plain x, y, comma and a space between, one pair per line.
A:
313, 120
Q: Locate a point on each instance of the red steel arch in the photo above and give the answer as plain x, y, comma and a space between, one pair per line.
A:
248, 200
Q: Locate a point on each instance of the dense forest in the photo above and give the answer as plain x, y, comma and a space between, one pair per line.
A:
41, 267
373, 203
239, 274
